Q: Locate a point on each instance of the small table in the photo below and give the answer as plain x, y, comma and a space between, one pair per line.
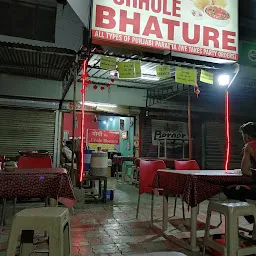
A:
119, 161
99, 178
195, 187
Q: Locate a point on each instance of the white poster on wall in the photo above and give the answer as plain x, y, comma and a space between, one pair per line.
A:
169, 130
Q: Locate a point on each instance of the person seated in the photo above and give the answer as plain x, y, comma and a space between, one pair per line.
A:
248, 165
67, 152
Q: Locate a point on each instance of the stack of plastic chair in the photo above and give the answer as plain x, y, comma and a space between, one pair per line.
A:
190, 165
148, 170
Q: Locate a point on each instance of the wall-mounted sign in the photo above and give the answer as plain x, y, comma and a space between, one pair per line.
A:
129, 69
199, 27
247, 56
169, 130
206, 77
163, 71
96, 136
185, 76
94, 146
108, 63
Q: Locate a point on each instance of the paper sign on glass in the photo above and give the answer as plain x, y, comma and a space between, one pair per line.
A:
206, 77
185, 76
130, 69
163, 71
108, 63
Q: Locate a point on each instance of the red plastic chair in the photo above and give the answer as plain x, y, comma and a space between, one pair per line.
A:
35, 162
190, 165
148, 171
2, 159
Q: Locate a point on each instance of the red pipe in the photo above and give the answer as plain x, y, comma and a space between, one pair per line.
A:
227, 119
83, 92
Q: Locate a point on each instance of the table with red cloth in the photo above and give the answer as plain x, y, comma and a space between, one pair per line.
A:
33, 183
195, 187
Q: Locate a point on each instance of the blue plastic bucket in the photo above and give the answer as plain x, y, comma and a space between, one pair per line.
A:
87, 159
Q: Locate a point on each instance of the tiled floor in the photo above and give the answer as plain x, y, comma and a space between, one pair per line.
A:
112, 229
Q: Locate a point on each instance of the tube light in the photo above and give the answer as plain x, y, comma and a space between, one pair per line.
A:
150, 78
98, 104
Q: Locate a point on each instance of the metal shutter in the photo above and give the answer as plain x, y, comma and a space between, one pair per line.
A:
22, 129
215, 146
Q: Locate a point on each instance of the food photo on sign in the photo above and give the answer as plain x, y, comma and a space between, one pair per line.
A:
207, 28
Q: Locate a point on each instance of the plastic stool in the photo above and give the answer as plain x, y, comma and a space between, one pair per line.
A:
54, 220
232, 210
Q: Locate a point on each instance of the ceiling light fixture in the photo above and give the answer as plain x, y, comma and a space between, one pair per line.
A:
113, 73
99, 104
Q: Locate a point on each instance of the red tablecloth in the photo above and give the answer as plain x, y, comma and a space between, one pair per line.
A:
196, 187
119, 160
37, 183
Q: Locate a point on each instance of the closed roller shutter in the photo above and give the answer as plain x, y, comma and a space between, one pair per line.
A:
216, 146
22, 129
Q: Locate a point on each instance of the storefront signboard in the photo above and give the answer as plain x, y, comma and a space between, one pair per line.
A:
199, 27
169, 130
163, 71
206, 77
185, 76
108, 63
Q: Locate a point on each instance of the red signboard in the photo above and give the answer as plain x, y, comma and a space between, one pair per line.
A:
199, 27
96, 136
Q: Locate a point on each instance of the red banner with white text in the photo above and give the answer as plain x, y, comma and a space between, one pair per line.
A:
103, 136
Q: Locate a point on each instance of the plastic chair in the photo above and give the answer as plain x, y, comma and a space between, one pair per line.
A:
2, 159
148, 171
190, 165
35, 162
232, 211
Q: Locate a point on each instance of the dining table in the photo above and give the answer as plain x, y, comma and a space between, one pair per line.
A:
52, 183
36, 183
194, 187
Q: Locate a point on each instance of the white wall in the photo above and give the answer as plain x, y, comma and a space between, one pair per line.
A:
68, 33
47, 89
116, 95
